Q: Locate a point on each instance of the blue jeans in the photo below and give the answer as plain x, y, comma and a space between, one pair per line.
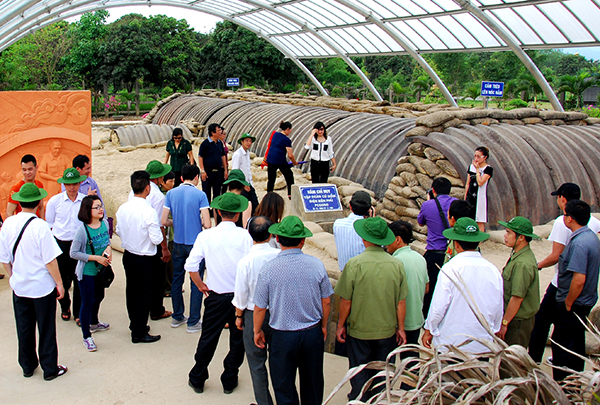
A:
92, 294
179, 256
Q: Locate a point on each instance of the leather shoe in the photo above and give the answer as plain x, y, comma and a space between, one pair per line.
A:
229, 391
145, 339
197, 390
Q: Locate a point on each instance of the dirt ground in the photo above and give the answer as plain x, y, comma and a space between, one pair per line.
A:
123, 373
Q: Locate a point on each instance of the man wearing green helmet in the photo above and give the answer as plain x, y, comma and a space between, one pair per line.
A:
521, 283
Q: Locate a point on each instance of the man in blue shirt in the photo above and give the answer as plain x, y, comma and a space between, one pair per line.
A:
434, 214
577, 292
296, 289
84, 167
347, 241
189, 208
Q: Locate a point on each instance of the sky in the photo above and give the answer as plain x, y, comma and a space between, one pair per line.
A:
204, 22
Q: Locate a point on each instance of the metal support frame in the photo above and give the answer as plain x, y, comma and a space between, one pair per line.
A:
8, 39
498, 30
411, 51
333, 46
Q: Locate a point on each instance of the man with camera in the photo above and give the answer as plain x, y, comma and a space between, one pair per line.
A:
434, 214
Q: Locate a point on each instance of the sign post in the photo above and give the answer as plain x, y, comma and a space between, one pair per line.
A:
317, 202
491, 89
233, 82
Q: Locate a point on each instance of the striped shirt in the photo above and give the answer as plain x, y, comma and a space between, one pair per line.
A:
347, 241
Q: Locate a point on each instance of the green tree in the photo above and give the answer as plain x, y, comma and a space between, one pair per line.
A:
233, 51
576, 85
572, 64
421, 85
85, 57
527, 84
473, 92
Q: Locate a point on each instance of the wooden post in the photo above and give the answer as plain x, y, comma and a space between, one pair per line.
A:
137, 96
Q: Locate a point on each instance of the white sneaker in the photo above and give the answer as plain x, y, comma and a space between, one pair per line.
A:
89, 344
195, 328
176, 324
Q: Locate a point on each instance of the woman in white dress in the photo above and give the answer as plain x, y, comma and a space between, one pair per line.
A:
479, 173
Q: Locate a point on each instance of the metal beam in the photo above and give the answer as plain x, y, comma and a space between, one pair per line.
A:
323, 39
516, 48
406, 46
78, 10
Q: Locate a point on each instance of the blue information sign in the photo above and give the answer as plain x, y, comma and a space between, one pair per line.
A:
233, 81
492, 89
319, 197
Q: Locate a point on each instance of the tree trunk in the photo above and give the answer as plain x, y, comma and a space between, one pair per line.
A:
561, 98
105, 94
137, 96
193, 89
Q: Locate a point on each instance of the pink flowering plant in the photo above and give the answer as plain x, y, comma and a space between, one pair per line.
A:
112, 105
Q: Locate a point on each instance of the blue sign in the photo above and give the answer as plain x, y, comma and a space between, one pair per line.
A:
233, 81
320, 197
492, 89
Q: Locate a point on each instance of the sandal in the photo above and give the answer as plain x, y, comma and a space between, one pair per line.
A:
77, 322
66, 315
61, 371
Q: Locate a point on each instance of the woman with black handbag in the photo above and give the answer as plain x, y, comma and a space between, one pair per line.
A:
91, 247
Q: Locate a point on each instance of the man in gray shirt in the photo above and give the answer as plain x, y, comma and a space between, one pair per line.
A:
577, 292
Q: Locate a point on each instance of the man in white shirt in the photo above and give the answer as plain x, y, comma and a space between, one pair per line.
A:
61, 215
347, 241
241, 160
35, 280
450, 320
156, 199
139, 229
245, 284
221, 247
559, 237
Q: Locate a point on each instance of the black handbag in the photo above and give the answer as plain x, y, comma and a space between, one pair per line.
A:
106, 275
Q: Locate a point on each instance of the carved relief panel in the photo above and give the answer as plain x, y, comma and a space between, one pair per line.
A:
53, 126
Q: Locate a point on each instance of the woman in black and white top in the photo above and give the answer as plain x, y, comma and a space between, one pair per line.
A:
321, 154
479, 173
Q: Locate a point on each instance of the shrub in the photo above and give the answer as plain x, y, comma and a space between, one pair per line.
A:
516, 103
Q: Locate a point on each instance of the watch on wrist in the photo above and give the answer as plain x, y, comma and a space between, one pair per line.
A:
505, 322
239, 316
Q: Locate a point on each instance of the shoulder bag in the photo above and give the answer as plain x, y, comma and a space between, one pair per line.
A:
106, 275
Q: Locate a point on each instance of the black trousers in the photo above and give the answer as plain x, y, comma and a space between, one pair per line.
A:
213, 185
302, 351
363, 351
66, 266
319, 171
139, 271
158, 285
272, 176
543, 320
28, 313
434, 258
218, 310
569, 332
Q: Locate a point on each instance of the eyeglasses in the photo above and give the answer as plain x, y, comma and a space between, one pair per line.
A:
98, 208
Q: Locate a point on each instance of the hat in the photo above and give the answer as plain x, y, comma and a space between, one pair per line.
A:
374, 230
230, 202
570, 191
521, 226
156, 169
361, 199
246, 135
466, 230
291, 227
236, 175
29, 192
71, 176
